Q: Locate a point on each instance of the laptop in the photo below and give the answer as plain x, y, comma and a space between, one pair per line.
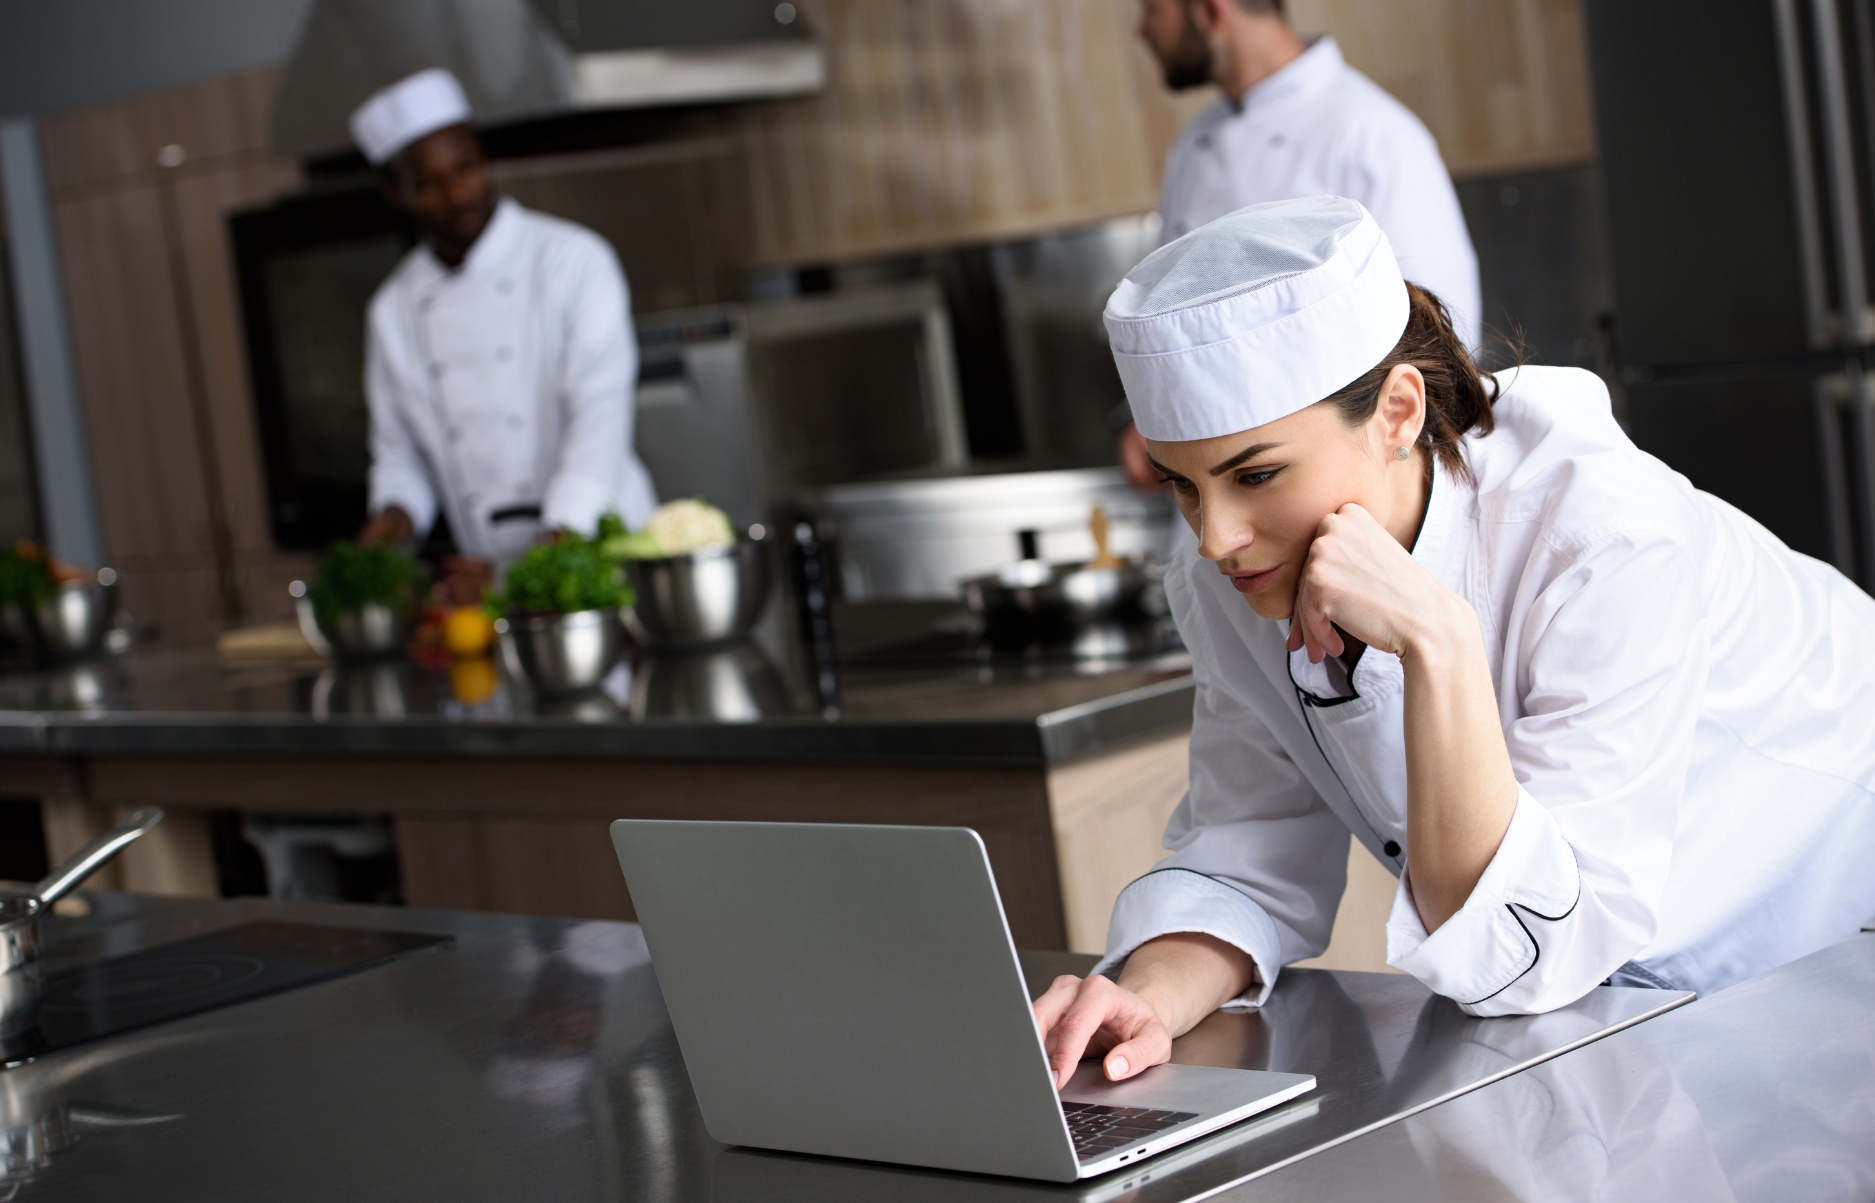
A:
853, 991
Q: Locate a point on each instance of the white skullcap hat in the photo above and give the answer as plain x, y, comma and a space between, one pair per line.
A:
412, 107
1261, 313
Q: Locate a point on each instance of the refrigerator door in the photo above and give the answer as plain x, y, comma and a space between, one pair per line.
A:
1775, 446
1716, 216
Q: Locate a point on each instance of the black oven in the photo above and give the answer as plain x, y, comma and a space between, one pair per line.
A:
307, 266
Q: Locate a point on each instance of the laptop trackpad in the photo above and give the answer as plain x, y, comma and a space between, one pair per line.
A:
1200, 1088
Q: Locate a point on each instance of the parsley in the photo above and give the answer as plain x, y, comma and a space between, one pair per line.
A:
562, 577
352, 577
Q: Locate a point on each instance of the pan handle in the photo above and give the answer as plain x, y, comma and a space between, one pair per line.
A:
89, 859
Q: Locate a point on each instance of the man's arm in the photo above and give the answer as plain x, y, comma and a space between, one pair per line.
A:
601, 368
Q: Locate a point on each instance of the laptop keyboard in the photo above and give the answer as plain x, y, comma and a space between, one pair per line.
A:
1098, 1129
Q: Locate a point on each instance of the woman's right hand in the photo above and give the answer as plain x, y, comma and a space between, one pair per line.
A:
1168, 985
1086, 1016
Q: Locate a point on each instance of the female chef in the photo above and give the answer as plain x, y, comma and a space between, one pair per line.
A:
1600, 724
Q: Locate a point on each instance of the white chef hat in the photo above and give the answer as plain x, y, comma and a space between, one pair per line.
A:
412, 107
1261, 313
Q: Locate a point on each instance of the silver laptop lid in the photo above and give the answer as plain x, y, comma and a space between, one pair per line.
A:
847, 990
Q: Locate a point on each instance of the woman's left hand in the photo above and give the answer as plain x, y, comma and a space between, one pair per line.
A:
1358, 577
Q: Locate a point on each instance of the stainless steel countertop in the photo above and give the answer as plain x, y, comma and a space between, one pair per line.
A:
939, 709
534, 1060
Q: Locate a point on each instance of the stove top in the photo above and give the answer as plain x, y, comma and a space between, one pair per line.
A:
171, 981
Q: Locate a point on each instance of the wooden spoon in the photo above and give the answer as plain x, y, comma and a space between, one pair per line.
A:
1097, 525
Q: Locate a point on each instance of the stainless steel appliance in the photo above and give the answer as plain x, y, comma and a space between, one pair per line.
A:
906, 540
532, 61
695, 417
855, 385
121, 994
20, 945
1736, 147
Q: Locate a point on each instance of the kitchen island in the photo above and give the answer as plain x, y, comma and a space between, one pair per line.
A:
1067, 766
532, 1058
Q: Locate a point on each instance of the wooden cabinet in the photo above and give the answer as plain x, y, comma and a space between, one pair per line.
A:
1502, 84
957, 121
140, 191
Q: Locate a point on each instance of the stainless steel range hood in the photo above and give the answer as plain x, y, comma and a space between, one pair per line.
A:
520, 59
628, 53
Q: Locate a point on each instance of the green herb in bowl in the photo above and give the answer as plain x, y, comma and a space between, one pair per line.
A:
24, 579
562, 577
352, 577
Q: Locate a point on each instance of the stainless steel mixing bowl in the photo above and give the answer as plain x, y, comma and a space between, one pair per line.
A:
705, 597
561, 653
71, 622
371, 632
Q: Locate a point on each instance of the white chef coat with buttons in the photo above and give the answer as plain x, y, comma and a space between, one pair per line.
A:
1689, 708
1318, 127
506, 383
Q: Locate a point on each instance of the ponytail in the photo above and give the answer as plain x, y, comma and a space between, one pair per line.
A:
1458, 399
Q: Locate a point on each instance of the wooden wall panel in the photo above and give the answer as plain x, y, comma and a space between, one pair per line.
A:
1502, 84
157, 336
949, 121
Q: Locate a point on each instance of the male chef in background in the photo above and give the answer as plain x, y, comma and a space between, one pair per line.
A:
500, 358
1295, 120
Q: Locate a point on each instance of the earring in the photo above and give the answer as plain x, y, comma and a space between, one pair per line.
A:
1401, 453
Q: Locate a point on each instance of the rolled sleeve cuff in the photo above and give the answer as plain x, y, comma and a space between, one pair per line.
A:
575, 503
1167, 901
1497, 936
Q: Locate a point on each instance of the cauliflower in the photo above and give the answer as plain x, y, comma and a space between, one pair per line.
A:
689, 525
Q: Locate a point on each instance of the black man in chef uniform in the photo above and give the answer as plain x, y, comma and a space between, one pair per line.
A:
500, 355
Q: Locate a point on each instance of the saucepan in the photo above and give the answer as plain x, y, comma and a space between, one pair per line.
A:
20, 977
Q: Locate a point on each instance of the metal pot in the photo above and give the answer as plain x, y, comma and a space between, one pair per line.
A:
704, 597
371, 632
71, 623
1034, 601
561, 653
20, 977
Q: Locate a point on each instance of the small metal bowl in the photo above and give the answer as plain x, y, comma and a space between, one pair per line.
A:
71, 623
371, 632
561, 653
705, 597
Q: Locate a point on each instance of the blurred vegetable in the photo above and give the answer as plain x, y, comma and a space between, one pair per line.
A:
467, 631
351, 577
562, 577
472, 681
676, 528
25, 576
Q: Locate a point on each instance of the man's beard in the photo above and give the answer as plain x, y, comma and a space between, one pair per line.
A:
1188, 65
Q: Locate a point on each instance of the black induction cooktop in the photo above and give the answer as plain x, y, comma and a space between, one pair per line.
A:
170, 981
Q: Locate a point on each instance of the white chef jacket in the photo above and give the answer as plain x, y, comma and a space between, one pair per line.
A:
506, 382
1689, 708
1318, 127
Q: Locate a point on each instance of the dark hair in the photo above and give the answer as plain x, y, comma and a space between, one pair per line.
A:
1458, 399
1261, 7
